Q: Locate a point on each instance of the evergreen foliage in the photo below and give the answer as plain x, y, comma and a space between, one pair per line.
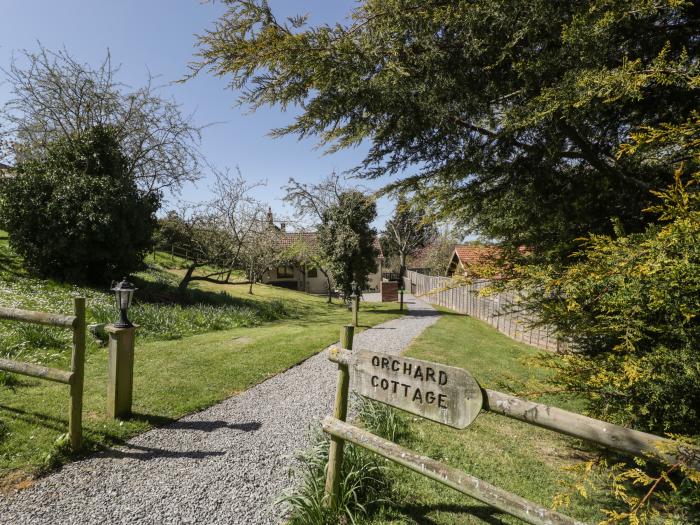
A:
512, 111
631, 308
75, 213
347, 238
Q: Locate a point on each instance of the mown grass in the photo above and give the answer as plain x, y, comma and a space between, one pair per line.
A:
520, 458
239, 340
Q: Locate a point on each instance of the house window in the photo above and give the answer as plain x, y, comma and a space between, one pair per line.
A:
312, 273
285, 272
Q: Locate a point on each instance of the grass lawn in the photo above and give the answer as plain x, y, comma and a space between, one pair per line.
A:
174, 374
520, 458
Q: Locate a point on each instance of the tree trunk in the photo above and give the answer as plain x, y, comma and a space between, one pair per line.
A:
330, 289
402, 265
252, 280
182, 287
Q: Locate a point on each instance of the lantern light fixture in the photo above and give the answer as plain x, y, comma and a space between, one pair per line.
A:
124, 293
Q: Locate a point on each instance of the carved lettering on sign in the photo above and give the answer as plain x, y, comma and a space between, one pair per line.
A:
438, 392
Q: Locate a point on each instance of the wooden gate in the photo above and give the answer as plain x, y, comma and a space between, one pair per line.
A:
74, 377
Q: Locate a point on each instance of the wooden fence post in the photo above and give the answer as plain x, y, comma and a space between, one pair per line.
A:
340, 412
75, 416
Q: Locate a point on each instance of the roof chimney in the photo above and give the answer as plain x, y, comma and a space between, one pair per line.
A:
283, 226
269, 215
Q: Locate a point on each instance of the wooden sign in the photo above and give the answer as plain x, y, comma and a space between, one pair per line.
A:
445, 394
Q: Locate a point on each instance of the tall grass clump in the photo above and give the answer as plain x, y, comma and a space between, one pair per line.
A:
29, 343
161, 312
379, 419
362, 485
363, 482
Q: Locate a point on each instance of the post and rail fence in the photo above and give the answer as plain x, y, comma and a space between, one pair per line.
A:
453, 397
75, 377
493, 309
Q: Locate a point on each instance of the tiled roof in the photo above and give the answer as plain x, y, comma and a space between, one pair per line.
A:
475, 254
287, 239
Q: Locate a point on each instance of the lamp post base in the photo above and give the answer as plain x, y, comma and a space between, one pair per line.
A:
121, 370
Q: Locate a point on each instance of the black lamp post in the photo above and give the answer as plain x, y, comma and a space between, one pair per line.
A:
124, 292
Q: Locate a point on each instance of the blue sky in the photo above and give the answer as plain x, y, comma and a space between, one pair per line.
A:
159, 36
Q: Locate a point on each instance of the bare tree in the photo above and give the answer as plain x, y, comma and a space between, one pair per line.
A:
311, 200
54, 95
217, 234
406, 231
437, 255
197, 233
238, 212
262, 250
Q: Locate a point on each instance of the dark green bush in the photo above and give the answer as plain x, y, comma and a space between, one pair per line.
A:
75, 213
631, 309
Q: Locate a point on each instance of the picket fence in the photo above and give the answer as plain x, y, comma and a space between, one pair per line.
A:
493, 309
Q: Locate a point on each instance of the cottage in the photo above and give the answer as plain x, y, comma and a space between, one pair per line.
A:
297, 276
473, 260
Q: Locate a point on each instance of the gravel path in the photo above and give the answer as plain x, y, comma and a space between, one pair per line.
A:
226, 464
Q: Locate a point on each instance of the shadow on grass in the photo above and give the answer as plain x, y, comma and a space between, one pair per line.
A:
54, 423
103, 446
419, 513
168, 292
9, 263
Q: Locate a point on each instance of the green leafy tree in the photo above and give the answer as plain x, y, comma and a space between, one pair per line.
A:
512, 112
346, 238
76, 213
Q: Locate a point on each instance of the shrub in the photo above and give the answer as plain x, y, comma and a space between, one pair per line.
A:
631, 308
75, 212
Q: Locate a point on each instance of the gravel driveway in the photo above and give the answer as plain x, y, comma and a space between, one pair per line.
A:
226, 464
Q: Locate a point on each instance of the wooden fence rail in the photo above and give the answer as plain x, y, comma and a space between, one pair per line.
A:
458, 389
477, 488
74, 378
493, 309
